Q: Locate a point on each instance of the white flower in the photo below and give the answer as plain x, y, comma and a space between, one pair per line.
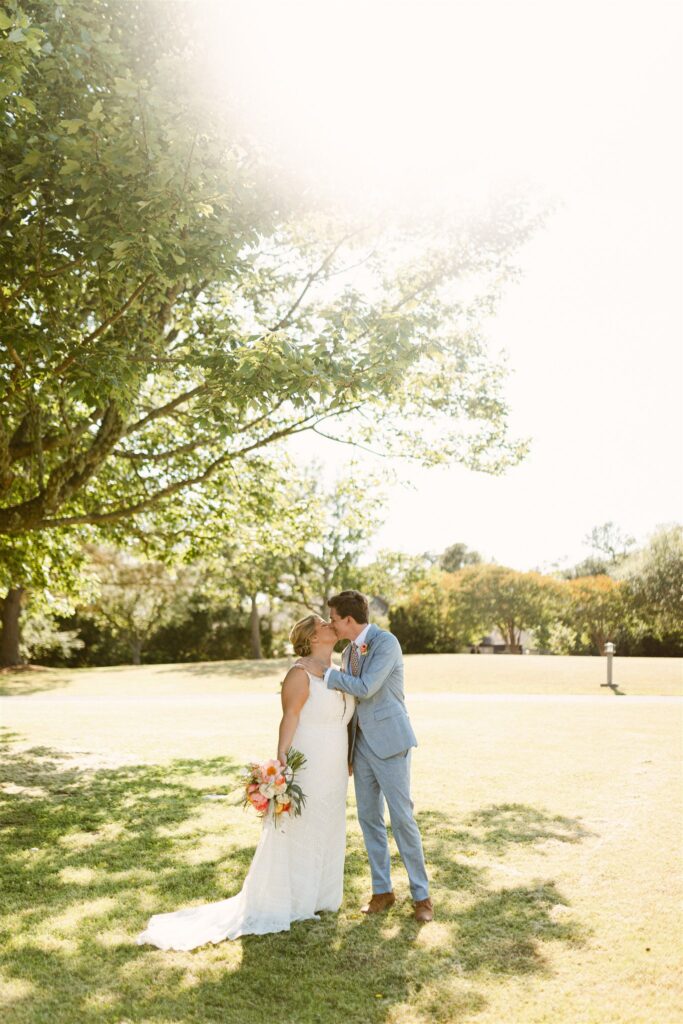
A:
282, 798
267, 789
281, 787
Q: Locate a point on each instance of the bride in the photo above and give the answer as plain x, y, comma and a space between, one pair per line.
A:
298, 865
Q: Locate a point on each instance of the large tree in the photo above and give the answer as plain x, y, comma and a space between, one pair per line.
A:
596, 609
653, 578
255, 559
509, 600
392, 575
458, 555
170, 311
432, 619
345, 518
41, 571
134, 596
610, 542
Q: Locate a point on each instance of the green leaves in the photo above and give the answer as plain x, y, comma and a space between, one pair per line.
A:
174, 313
72, 125
26, 104
70, 166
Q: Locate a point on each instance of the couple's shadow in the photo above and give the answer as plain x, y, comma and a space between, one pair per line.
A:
389, 967
100, 848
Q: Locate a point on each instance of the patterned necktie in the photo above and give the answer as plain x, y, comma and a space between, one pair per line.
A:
354, 660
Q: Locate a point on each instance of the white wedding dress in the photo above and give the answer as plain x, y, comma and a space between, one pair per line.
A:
298, 866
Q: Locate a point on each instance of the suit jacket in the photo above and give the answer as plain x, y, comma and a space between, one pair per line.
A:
380, 709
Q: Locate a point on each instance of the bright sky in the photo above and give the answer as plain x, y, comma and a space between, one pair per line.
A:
451, 99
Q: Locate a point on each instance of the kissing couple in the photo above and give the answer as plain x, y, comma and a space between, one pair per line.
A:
346, 722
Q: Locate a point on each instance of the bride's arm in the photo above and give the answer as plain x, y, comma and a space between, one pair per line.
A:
294, 695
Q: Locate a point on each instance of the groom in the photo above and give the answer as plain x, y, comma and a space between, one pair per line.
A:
381, 741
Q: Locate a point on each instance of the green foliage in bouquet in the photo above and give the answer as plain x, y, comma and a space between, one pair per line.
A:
296, 760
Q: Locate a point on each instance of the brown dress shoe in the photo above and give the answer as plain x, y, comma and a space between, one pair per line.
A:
380, 901
424, 911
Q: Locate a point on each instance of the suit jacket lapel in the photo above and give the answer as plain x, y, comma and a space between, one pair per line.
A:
346, 653
368, 640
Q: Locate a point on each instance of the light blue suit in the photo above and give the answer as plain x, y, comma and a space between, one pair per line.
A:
381, 740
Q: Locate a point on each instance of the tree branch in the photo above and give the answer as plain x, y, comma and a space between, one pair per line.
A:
191, 445
39, 274
96, 518
312, 277
163, 410
50, 442
64, 480
105, 325
354, 444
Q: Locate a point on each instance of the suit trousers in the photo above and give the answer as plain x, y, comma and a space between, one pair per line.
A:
377, 779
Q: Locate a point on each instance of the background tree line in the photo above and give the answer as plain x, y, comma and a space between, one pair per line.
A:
239, 600
631, 597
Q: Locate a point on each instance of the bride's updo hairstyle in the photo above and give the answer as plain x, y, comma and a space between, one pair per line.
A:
301, 633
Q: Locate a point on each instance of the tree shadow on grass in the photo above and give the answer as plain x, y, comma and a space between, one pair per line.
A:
232, 669
501, 825
27, 679
95, 825
89, 854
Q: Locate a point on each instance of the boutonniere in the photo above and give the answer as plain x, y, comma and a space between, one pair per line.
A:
363, 649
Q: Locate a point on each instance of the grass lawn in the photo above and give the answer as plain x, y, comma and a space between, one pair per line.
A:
552, 828
425, 673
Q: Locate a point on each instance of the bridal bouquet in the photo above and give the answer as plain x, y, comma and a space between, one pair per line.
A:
271, 787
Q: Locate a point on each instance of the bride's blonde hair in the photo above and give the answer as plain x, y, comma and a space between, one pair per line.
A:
301, 633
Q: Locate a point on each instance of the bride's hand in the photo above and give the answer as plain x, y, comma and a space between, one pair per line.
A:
282, 758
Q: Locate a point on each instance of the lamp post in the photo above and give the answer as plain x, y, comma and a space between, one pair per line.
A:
609, 651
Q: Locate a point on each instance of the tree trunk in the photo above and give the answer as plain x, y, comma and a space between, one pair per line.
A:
136, 649
512, 639
255, 629
11, 632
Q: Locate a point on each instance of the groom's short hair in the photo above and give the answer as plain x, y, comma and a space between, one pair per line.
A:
353, 603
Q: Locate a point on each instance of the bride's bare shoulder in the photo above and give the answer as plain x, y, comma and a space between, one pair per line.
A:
296, 676
295, 689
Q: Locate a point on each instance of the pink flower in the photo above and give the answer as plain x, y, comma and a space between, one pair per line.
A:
258, 802
363, 649
269, 769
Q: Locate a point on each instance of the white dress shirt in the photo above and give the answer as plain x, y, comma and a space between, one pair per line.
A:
359, 641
